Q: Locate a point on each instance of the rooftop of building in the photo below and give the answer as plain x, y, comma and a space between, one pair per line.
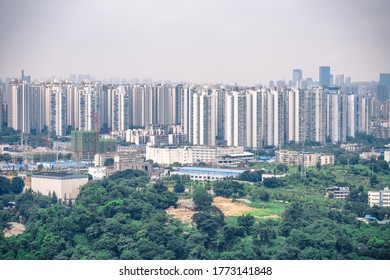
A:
203, 170
58, 175
83, 131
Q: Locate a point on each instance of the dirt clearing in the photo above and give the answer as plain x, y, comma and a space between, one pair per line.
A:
15, 229
185, 208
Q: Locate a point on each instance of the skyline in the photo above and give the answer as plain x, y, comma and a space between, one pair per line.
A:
196, 41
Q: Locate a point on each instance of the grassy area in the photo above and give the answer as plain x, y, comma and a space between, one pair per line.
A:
272, 166
266, 209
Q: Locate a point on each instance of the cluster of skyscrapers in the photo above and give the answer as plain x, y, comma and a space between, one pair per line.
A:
207, 114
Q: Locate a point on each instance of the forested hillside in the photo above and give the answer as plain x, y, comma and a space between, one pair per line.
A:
124, 217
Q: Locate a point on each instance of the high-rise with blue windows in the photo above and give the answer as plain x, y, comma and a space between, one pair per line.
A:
383, 88
324, 80
297, 76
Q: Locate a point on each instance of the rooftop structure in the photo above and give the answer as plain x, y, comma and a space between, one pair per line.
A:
207, 174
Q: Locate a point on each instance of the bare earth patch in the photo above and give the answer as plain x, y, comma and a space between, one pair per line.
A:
230, 208
182, 214
15, 229
185, 208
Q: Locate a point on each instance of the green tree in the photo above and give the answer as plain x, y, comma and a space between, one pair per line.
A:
273, 183
373, 181
228, 188
264, 196
17, 185
179, 188
206, 223
202, 199
246, 222
282, 168
248, 176
5, 185
159, 187
109, 162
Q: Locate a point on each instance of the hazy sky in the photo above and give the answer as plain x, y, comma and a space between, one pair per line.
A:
242, 41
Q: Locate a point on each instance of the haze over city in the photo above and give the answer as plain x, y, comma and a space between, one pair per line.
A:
244, 42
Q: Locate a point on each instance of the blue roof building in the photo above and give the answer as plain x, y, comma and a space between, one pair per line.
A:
207, 174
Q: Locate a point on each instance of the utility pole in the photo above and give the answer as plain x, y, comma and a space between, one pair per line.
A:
303, 170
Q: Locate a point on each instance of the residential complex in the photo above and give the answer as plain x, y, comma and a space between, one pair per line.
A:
177, 114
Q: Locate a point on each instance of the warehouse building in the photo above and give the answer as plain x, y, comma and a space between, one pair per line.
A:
65, 185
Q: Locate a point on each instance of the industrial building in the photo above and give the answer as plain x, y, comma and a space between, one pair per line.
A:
207, 174
66, 186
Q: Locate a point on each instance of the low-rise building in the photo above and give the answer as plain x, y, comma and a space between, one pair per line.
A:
269, 176
326, 159
236, 160
386, 156
169, 155
296, 158
379, 198
354, 147
211, 155
337, 192
207, 174
370, 155
98, 173
142, 166
65, 185
195, 154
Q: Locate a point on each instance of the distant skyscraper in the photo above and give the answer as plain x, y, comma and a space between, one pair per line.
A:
221, 94
18, 105
204, 119
324, 80
236, 113
186, 101
337, 115
25, 78
280, 84
315, 115
363, 114
383, 88
339, 80
2, 90
297, 76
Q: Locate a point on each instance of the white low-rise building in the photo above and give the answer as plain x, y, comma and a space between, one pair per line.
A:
379, 198
338, 192
207, 174
354, 147
386, 155
169, 155
209, 154
370, 155
195, 154
296, 158
65, 185
98, 173
269, 176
